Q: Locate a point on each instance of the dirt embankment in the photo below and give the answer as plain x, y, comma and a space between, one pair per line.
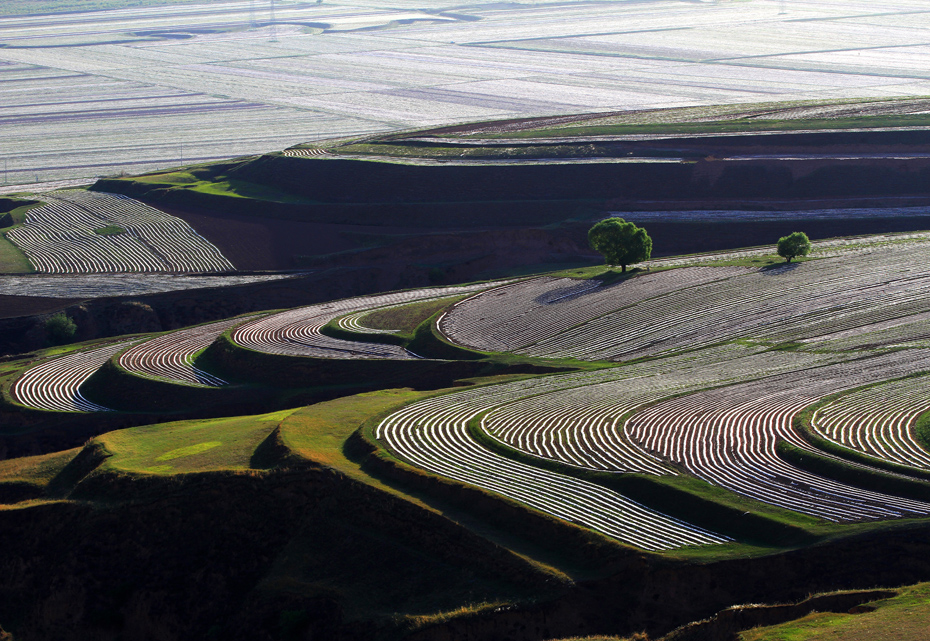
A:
201, 555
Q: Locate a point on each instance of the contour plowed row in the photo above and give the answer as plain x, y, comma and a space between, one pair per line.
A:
59, 237
794, 301
297, 332
582, 425
432, 435
170, 356
879, 420
727, 436
53, 385
907, 331
517, 315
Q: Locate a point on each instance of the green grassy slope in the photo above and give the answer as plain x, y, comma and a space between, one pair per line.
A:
355, 543
905, 617
13, 214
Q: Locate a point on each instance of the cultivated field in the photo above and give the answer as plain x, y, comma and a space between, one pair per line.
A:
167, 85
879, 420
634, 449
54, 385
802, 301
171, 356
297, 332
87, 232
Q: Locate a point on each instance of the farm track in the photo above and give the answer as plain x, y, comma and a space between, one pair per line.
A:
54, 385
59, 237
171, 356
727, 436
879, 421
102, 285
297, 332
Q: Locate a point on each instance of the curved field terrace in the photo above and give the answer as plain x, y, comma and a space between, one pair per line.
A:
788, 302
297, 332
54, 385
171, 356
735, 354
879, 421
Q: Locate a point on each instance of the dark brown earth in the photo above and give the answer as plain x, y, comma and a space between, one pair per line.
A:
13, 306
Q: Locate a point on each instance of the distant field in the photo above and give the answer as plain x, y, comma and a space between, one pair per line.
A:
218, 82
30, 7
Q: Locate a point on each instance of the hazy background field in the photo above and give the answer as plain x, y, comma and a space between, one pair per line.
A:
90, 94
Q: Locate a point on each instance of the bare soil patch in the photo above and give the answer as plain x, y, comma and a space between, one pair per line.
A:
14, 306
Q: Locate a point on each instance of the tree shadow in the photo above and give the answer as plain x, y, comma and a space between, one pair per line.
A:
779, 268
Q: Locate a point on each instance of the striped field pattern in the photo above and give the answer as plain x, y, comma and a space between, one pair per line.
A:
728, 435
297, 332
54, 385
59, 238
432, 435
170, 356
879, 420
785, 303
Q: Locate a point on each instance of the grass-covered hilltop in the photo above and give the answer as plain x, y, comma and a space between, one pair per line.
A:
382, 388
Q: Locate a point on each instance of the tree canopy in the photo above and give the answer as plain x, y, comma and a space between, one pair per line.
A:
60, 329
621, 243
793, 245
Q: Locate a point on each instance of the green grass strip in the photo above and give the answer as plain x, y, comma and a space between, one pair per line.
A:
851, 474
802, 424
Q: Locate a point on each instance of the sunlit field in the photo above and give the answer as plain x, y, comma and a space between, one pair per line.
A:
99, 93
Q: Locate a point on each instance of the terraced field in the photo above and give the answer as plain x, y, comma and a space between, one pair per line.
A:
785, 303
735, 354
297, 332
727, 436
63, 237
170, 356
54, 385
433, 435
879, 421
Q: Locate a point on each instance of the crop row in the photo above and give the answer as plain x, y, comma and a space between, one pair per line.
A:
351, 323
582, 425
905, 331
727, 436
520, 314
170, 356
791, 302
433, 435
297, 332
54, 385
60, 237
879, 420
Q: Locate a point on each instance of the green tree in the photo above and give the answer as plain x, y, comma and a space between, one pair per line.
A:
620, 242
794, 245
60, 329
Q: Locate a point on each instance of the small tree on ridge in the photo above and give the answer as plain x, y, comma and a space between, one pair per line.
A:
621, 243
793, 245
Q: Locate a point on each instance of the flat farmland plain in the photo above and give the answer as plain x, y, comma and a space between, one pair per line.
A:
93, 94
